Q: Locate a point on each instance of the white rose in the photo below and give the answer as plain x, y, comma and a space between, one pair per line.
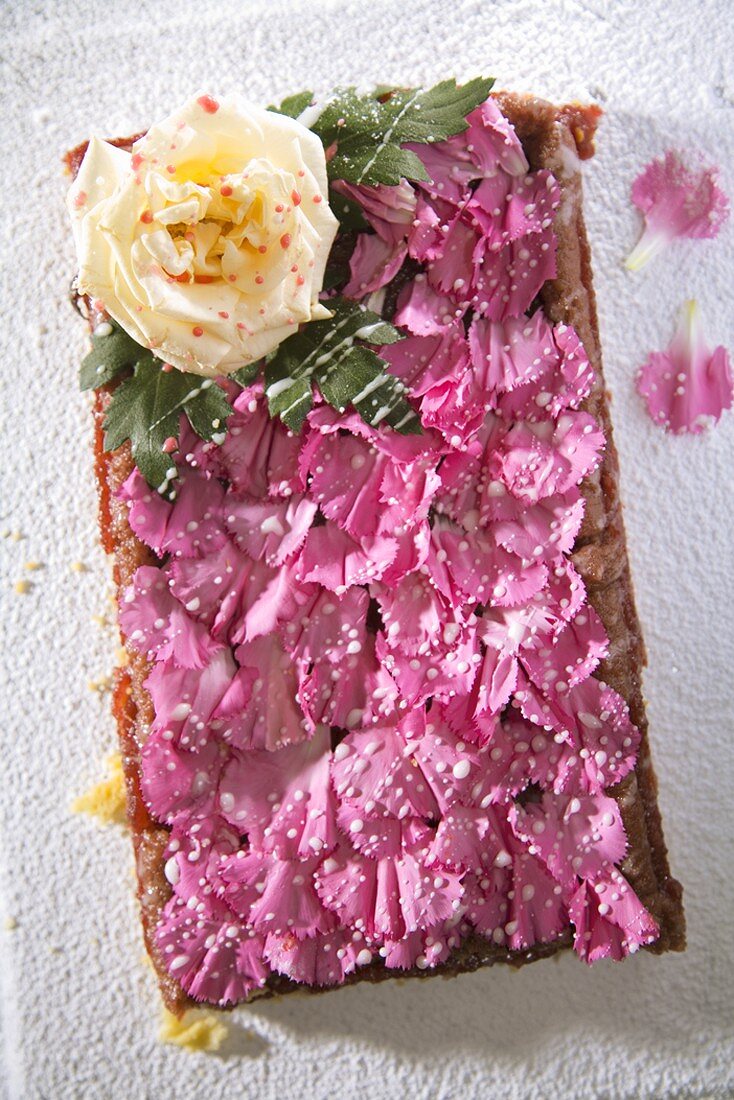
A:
208, 242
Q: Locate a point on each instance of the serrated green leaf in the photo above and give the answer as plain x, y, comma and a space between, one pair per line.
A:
369, 131
208, 411
110, 355
146, 409
349, 213
246, 375
365, 161
293, 105
289, 397
324, 353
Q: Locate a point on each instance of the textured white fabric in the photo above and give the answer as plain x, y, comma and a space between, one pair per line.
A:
79, 1006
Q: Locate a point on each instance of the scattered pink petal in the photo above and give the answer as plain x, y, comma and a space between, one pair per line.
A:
676, 201
687, 387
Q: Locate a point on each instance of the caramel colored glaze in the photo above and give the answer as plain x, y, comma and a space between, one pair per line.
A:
552, 137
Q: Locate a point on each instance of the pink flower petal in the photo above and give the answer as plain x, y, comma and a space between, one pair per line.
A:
687, 387
331, 557
323, 959
272, 717
424, 949
389, 210
609, 919
422, 311
506, 282
590, 717
213, 958
259, 455
156, 624
676, 201
374, 263
575, 836
508, 208
538, 460
267, 529
189, 527
282, 799
193, 855
275, 896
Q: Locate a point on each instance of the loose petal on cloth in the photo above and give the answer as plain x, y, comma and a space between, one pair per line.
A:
687, 387
676, 201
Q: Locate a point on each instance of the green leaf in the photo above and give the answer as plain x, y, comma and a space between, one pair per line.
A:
376, 395
146, 409
110, 355
369, 131
289, 398
245, 375
325, 353
348, 212
293, 105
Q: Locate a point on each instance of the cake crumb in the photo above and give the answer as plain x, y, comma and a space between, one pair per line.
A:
106, 800
193, 1031
100, 686
10, 924
32, 566
122, 657
21, 588
78, 567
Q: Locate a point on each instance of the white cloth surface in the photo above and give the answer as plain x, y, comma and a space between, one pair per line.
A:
78, 1005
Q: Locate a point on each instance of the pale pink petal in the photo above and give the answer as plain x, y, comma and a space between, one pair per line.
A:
328, 627
538, 531
259, 453
156, 624
193, 855
331, 557
676, 201
576, 836
687, 387
175, 781
506, 282
214, 958
376, 770
416, 618
374, 263
447, 671
609, 919
539, 460
568, 657
590, 717
191, 526
563, 381
339, 694
472, 567
422, 949
389, 210
321, 960
422, 310
508, 208
275, 896
273, 530
272, 717
282, 800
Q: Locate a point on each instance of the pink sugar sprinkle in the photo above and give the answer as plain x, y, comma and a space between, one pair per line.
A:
208, 104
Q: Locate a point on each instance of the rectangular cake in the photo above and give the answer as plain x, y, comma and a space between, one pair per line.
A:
382, 713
